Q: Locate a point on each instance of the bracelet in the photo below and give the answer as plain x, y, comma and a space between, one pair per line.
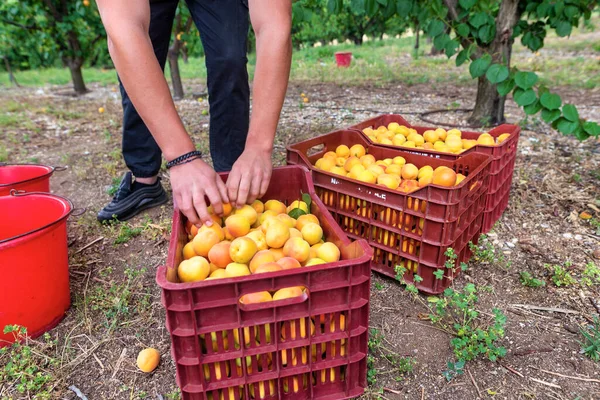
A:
184, 159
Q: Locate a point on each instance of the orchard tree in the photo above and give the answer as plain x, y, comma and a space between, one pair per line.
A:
69, 29
181, 28
483, 32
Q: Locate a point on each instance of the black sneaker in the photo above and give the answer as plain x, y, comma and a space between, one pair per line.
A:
131, 199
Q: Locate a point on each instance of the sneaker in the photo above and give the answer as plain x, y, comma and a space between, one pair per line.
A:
131, 199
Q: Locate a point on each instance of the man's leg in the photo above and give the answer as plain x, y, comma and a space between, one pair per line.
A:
223, 27
140, 151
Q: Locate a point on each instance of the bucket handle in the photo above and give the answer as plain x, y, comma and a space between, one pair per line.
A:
60, 168
75, 211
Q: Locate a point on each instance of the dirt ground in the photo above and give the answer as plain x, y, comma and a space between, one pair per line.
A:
116, 309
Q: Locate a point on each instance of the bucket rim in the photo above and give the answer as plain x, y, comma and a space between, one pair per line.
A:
63, 217
50, 170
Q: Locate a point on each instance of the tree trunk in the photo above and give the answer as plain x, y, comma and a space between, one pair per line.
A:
77, 76
489, 105
173, 57
11, 76
417, 36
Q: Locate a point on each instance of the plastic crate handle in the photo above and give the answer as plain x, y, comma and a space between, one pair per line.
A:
274, 303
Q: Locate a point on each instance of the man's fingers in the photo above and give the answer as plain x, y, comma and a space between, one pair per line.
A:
254, 187
233, 184
243, 190
201, 209
186, 206
222, 188
215, 199
264, 185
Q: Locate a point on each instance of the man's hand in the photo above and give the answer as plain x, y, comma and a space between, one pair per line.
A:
191, 183
250, 176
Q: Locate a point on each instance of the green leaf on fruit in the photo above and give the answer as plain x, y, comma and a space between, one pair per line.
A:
306, 198
296, 213
526, 80
551, 101
497, 73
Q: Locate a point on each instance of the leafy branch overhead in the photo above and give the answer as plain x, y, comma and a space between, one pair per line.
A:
482, 33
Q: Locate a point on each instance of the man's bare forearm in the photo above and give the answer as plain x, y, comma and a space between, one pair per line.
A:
131, 51
273, 60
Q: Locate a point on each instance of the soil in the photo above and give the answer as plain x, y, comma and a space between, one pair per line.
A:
112, 316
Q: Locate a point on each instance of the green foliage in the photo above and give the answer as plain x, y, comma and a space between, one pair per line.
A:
25, 369
455, 312
591, 275
401, 365
591, 340
560, 275
528, 280
454, 370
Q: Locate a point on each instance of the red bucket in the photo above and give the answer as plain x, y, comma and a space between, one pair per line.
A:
343, 59
34, 273
27, 177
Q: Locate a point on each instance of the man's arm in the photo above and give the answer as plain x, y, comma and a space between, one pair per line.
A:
272, 23
127, 24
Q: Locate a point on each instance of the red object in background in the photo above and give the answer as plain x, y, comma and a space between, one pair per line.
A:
27, 177
34, 274
501, 167
281, 356
343, 59
413, 230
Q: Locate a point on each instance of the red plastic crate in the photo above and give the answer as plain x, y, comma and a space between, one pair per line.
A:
224, 350
501, 167
412, 230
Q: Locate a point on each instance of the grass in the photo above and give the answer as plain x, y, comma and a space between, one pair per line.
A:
591, 340
380, 61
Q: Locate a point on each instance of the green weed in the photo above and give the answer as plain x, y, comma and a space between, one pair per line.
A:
117, 302
26, 369
127, 232
591, 340
379, 286
400, 364
485, 253
3, 153
590, 275
456, 313
528, 280
560, 275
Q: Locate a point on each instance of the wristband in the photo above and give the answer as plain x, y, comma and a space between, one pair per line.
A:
184, 159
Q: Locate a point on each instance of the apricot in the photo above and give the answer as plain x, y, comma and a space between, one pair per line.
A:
148, 359
259, 238
269, 267
219, 254
305, 219
328, 252
204, 241
297, 248
188, 251
261, 258
277, 253
242, 250
288, 293
237, 269
288, 263
193, 270
215, 228
258, 206
277, 234
254, 298
312, 233
410, 171
276, 206
237, 225
249, 212
286, 219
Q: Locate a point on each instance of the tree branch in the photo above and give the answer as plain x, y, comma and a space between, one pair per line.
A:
465, 43
28, 28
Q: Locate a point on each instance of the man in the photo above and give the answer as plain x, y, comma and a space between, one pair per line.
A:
138, 40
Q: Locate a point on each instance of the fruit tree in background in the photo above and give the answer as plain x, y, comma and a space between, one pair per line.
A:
483, 33
71, 29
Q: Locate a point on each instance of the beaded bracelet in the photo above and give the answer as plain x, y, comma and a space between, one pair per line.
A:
184, 159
